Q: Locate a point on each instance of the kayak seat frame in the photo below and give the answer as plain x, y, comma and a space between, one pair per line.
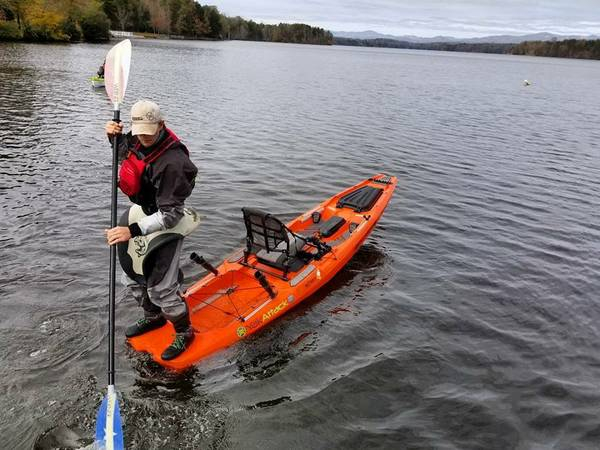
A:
274, 244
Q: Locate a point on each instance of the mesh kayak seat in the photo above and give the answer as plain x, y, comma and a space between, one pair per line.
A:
272, 242
360, 200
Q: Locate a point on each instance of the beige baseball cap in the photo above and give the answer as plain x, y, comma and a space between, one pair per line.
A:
145, 117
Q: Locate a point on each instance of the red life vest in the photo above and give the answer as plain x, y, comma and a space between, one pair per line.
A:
133, 167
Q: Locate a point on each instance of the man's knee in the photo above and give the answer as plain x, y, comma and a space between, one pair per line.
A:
169, 300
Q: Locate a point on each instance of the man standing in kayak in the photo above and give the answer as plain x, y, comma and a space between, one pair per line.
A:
157, 174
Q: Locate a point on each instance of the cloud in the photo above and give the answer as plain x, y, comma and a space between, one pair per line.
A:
427, 17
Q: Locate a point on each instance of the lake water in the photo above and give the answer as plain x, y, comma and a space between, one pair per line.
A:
468, 320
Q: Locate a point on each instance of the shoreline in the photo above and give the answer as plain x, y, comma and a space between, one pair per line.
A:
567, 49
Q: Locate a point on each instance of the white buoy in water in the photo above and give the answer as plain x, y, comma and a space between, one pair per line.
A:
526, 83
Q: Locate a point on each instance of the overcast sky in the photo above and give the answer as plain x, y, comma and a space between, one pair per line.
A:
459, 18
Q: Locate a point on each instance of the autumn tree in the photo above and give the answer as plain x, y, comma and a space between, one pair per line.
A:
16, 8
159, 16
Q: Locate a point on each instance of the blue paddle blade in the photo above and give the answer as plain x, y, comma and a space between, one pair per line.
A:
109, 428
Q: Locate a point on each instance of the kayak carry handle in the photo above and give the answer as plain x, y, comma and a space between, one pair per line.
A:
198, 259
264, 283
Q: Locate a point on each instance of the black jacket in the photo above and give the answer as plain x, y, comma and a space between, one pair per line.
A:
166, 182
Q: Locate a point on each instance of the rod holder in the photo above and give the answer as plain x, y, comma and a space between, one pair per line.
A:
204, 263
264, 283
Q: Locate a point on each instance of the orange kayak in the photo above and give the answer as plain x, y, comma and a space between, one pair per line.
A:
281, 265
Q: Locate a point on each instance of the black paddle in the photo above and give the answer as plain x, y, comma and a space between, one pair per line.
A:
109, 429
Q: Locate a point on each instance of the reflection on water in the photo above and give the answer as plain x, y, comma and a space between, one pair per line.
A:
181, 416
151, 377
60, 437
67, 422
264, 355
268, 403
269, 351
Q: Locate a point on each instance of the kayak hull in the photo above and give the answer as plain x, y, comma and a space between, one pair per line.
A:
233, 305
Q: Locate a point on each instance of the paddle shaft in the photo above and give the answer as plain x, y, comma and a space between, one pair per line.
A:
113, 259
109, 429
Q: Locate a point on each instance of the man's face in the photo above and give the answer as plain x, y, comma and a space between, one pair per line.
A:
148, 139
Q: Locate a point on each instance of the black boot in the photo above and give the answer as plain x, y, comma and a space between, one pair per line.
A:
184, 335
144, 325
182, 340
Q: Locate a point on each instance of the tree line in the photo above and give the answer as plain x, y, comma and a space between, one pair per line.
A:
90, 20
569, 48
439, 46
53, 20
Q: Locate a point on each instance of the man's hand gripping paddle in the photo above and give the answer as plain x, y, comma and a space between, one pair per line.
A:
109, 429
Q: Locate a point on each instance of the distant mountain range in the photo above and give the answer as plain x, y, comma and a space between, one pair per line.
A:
499, 39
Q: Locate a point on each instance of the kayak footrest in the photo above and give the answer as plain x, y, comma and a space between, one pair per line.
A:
330, 226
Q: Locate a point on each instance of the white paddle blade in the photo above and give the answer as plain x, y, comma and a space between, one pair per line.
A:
116, 71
